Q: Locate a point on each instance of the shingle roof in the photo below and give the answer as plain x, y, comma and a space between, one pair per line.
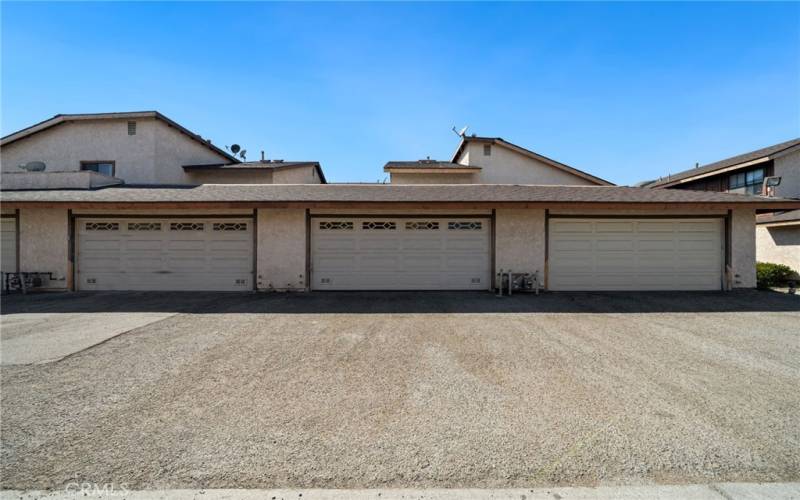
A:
251, 165
758, 154
126, 115
531, 154
427, 164
257, 165
388, 193
778, 217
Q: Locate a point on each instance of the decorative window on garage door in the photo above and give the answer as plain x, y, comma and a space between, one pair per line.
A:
186, 226
379, 225
102, 226
422, 226
144, 226
465, 226
230, 226
336, 226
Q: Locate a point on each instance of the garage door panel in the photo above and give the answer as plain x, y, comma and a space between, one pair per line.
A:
616, 263
163, 254
378, 263
568, 245
655, 227
420, 243
373, 243
695, 245
571, 227
669, 254
614, 245
614, 227
400, 254
697, 227
654, 245
430, 262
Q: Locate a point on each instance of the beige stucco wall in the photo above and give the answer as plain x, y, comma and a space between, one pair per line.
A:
65, 146
504, 166
281, 259
155, 154
743, 248
174, 149
281, 240
296, 175
520, 241
788, 168
44, 243
410, 178
230, 177
779, 245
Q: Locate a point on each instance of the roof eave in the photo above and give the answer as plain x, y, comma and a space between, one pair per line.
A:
531, 154
66, 118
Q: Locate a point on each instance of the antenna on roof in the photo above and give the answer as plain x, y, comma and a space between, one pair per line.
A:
243, 154
461, 133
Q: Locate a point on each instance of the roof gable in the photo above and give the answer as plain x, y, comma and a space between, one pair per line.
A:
529, 154
738, 161
133, 115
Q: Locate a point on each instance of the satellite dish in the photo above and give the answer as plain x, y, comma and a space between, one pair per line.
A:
33, 166
461, 133
243, 154
235, 148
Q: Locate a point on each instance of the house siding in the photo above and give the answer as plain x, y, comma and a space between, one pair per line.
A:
788, 168
505, 166
412, 178
779, 245
44, 244
282, 246
281, 250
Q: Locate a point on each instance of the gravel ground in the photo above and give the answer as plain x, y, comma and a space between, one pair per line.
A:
380, 390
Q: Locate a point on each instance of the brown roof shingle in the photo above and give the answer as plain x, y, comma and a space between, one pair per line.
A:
728, 162
388, 193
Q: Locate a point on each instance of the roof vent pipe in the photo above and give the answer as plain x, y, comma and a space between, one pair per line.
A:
262, 156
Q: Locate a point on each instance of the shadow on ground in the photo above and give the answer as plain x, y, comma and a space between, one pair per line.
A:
400, 302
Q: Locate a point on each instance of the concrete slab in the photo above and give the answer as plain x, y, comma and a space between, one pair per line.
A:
27, 338
717, 491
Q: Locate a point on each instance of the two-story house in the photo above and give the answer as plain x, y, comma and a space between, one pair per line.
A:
490, 160
138, 148
131, 201
778, 233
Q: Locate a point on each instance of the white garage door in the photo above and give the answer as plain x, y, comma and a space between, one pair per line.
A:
400, 254
8, 247
635, 254
165, 254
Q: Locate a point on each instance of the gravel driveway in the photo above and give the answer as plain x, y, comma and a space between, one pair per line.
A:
413, 390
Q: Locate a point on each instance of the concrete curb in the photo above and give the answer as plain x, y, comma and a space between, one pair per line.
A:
714, 491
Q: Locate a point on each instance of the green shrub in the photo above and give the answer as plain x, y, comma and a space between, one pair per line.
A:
769, 275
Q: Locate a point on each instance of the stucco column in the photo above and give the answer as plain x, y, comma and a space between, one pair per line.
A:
281, 250
743, 247
520, 241
44, 244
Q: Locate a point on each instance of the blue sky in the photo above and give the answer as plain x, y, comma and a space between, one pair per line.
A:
625, 91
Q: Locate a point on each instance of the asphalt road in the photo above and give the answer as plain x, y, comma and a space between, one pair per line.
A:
349, 390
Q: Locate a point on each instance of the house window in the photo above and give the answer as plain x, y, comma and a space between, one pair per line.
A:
748, 182
101, 167
131, 128
487, 150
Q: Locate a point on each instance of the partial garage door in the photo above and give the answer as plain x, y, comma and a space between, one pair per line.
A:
400, 254
635, 254
165, 254
8, 252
